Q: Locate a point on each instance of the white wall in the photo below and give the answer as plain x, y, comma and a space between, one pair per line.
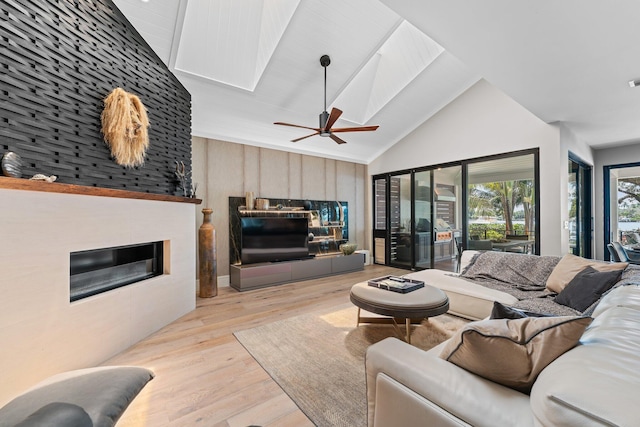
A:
608, 157
484, 121
41, 332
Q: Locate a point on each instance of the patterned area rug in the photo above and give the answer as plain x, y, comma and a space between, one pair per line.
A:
318, 359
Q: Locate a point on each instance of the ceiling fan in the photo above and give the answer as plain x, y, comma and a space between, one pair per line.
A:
327, 120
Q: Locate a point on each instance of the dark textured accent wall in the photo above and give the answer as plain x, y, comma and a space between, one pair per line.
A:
59, 59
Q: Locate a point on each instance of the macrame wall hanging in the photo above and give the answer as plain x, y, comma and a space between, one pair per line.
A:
124, 126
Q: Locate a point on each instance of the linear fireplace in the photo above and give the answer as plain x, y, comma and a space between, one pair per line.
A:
100, 270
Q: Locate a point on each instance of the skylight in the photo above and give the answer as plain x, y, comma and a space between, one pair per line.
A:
402, 57
232, 41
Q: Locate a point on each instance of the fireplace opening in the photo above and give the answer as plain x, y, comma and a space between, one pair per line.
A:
100, 270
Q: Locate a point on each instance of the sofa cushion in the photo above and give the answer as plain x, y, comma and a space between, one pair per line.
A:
587, 287
57, 414
619, 296
513, 352
104, 393
466, 298
570, 265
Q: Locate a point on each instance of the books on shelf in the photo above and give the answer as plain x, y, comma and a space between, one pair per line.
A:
398, 284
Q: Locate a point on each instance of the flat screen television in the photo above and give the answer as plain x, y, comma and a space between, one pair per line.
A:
274, 239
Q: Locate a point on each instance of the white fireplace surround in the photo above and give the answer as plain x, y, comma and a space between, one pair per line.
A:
41, 332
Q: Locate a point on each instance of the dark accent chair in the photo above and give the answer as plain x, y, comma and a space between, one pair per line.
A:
613, 254
625, 255
622, 254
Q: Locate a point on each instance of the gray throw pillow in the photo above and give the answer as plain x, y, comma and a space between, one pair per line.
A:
587, 287
58, 414
103, 393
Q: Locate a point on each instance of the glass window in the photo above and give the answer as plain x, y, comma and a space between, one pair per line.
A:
501, 204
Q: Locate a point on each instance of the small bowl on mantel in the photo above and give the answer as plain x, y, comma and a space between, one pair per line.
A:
348, 248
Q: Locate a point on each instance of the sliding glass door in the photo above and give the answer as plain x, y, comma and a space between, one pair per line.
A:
380, 220
422, 211
447, 211
580, 218
400, 223
423, 218
622, 208
501, 204
423, 214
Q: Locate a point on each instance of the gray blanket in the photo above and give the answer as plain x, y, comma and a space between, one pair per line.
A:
521, 275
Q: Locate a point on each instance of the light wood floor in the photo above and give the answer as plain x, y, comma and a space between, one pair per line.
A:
204, 377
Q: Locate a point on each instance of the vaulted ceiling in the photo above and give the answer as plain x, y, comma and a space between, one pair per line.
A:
394, 63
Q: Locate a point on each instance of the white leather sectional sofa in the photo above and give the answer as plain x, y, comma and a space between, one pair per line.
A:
466, 299
595, 383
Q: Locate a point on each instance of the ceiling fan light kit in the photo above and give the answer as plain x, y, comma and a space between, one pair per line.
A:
326, 120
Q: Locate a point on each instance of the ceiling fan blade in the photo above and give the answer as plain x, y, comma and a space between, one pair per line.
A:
336, 139
355, 129
335, 114
296, 126
300, 139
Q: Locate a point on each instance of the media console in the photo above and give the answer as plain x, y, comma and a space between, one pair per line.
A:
254, 276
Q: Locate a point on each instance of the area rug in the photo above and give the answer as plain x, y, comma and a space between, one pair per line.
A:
318, 359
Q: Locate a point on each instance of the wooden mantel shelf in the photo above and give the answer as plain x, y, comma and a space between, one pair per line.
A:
57, 187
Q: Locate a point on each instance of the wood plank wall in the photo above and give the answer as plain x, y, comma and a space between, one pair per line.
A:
224, 169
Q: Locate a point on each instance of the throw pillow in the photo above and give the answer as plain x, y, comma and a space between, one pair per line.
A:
501, 311
570, 265
58, 414
103, 392
587, 287
513, 352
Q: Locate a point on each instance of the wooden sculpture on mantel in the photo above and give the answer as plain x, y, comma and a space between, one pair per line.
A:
207, 253
124, 126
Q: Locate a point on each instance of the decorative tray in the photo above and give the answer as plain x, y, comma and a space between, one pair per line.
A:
396, 284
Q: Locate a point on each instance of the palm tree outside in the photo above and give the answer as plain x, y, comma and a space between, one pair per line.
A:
501, 208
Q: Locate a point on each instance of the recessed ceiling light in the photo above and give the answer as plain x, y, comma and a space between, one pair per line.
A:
634, 83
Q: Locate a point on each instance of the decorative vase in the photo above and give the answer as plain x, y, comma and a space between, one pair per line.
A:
250, 200
207, 253
348, 248
262, 204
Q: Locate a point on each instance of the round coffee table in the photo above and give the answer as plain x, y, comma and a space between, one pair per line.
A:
413, 306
